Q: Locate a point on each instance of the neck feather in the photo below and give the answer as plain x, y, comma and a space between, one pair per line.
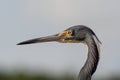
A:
92, 60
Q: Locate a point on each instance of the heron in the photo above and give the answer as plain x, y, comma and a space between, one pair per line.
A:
77, 34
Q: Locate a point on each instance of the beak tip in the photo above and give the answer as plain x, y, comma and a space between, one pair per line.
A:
22, 43
19, 44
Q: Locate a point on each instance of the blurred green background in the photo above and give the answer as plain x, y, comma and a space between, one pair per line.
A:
27, 75
25, 19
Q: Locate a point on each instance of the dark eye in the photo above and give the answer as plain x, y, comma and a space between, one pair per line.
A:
69, 32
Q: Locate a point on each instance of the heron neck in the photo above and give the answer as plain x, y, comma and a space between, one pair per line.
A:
91, 63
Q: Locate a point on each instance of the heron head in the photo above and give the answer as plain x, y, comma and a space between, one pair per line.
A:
76, 34
73, 34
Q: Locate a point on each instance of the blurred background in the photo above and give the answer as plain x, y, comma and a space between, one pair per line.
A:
26, 19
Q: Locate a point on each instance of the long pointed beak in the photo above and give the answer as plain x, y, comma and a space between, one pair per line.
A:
42, 39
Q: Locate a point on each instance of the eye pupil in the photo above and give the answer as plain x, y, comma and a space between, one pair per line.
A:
69, 32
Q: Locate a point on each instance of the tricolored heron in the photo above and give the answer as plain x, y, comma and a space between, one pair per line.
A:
77, 34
